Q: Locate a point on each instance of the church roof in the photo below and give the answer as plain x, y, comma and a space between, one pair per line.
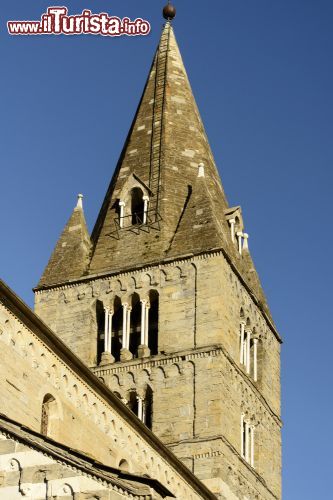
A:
167, 155
133, 484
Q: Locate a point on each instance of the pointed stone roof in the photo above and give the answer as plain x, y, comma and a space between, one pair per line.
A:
70, 257
165, 145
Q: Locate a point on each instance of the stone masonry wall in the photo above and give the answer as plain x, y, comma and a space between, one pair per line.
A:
198, 396
202, 302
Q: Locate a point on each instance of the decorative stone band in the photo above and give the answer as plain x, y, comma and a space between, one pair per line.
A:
182, 261
180, 357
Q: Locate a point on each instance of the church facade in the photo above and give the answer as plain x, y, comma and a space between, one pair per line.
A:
160, 358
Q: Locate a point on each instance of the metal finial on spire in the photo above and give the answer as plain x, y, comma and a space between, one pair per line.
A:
169, 11
79, 201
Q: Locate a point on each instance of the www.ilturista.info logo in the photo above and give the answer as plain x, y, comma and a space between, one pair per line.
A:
56, 21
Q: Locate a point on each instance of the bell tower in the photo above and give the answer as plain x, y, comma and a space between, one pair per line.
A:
163, 301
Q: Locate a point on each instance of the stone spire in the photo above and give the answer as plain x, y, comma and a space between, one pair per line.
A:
164, 147
71, 254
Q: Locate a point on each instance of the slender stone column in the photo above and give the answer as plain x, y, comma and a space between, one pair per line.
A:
232, 223
143, 349
240, 236
125, 325
255, 360
144, 412
246, 243
143, 321
122, 213
140, 408
147, 324
128, 326
242, 333
125, 354
242, 436
106, 328
248, 351
107, 357
145, 208
109, 344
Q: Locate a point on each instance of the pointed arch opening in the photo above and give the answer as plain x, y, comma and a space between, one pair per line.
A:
49, 413
117, 326
137, 206
153, 322
135, 329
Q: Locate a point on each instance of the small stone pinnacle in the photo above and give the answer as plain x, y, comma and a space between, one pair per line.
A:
79, 201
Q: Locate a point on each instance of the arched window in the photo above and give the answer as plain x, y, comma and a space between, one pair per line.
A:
137, 206
153, 322
142, 408
247, 440
117, 328
133, 403
100, 320
135, 329
49, 412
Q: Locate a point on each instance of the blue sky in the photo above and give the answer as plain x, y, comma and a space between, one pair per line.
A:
262, 75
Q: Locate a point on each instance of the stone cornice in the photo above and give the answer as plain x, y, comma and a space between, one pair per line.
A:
216, 452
